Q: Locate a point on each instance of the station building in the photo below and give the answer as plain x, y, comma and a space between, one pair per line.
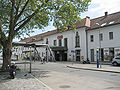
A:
101, 33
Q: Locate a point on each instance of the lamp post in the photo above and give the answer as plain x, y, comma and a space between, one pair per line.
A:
99, 47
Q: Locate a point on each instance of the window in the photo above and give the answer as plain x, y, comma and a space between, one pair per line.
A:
46, 40
91, 38
92, 55
101, 37
110, 35
77, 40
65, 42
55, 43
60, 42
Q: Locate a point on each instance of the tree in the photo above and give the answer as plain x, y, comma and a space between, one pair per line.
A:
0, 48
22, 16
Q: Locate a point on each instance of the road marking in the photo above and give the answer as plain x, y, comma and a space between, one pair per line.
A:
42, 82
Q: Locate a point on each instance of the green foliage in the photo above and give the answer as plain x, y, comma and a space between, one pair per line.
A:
18, 69
0, 48
63, 12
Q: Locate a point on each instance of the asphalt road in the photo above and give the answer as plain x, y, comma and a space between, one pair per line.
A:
59, 77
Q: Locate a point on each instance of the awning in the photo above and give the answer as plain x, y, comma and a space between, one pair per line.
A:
59, 48
29, 44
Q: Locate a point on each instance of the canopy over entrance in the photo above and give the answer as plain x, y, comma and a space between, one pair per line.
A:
34, 46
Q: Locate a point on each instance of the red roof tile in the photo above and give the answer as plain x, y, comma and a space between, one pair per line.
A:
106, 20
110, 19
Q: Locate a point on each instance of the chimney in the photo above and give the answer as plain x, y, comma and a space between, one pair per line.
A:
87, 21
106, 14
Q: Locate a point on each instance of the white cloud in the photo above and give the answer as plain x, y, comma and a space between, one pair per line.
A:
98, 7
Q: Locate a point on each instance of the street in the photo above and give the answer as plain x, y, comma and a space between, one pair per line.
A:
59, 77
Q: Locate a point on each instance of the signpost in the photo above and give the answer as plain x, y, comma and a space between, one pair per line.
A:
97, 57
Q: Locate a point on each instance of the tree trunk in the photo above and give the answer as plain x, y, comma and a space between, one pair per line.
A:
6, 56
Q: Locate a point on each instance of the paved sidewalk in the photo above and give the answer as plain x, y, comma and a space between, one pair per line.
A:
104, 68
23, 81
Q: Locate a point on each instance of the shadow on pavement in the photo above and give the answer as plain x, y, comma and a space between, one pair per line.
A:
4, 77
38, 73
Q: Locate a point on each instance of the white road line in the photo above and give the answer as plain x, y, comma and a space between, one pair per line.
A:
42, 82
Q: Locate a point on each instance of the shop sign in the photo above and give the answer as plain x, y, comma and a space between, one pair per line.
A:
82, 57
117, 51
60, 37
106, 54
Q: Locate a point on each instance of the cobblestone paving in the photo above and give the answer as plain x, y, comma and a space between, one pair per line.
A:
23, 81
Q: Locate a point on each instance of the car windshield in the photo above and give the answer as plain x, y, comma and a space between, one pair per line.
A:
117, 58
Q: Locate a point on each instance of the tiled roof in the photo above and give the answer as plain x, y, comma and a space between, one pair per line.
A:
110, 19
99, 22
80, 24
38, 37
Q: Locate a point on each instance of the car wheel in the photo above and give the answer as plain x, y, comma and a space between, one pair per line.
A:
115, 64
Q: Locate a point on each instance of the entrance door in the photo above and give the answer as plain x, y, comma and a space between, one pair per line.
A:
57, 55
60, 56
111, 51
78, 55
92, 55
102, 54
64, 56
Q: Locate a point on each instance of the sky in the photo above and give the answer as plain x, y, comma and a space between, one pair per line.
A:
96, 9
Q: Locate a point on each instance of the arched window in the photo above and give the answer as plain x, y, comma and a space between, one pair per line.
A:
77, 40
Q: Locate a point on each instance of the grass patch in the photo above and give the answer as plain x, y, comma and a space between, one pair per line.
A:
18, 69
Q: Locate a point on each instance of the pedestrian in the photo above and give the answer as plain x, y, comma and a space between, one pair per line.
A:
50, 58
44, 60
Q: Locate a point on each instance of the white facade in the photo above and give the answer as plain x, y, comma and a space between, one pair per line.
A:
70, 35
86, 49
106, 43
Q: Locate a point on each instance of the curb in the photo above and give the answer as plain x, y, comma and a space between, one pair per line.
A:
93, 69
41, 82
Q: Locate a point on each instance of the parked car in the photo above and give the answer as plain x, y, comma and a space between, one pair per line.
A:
116, 61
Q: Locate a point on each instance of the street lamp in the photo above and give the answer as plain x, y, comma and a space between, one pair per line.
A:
99, 46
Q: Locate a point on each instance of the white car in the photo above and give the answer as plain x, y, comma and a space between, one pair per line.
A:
116, 61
